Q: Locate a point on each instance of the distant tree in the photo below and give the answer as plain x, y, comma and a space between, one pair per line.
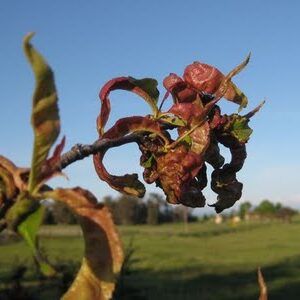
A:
266, 207
154, 203
130, 210
59, 213
244, 209
286, 214
112, 205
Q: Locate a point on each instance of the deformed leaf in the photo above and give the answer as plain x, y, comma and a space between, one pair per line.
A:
235, 95
129, 183
238, 127
145, 88
45, 117
148, 88
172, 120
28, 229
103, 256
149, 162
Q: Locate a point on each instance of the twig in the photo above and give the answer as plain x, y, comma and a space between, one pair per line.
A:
80, 151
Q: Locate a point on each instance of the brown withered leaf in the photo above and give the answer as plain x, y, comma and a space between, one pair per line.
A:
145, 88
103, 256
19, 175
45, 117
262, 286
9, 188
129, 183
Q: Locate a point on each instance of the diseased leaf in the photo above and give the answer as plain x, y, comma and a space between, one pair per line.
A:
149, 162
28, 229
179, 89
129, 183
235, 95
145, 88
103, 256
239, 128
45, 117
172, 120
188, 140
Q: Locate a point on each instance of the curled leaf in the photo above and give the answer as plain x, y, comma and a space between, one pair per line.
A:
129, 183
145, 88
179, 89
45, 117
172, 120
103, 255
209, 80
224, 181
237, 126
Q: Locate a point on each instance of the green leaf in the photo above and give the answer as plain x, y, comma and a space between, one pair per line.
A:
28, 229
45, 117
173, 120
188, 140
239, 128
149, 162
148, 85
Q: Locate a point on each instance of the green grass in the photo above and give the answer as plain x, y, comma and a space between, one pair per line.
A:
207, 262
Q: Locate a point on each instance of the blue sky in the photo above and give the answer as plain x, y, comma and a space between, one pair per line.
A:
88, 43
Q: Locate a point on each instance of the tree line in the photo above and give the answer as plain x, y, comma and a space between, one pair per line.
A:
128, 210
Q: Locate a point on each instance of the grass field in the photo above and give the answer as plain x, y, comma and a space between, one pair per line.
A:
207, 262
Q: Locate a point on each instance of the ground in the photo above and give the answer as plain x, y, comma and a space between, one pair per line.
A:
206, 262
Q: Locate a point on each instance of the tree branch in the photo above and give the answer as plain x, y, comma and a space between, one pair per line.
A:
80, 151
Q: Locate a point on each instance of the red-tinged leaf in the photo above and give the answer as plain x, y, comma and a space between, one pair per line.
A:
128, 125
129, 183
194, 114
200, 139
209, 80
146, 88
49, 168
202, 77
176, 172
55, 158
187, 111
179, 89
103, 255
